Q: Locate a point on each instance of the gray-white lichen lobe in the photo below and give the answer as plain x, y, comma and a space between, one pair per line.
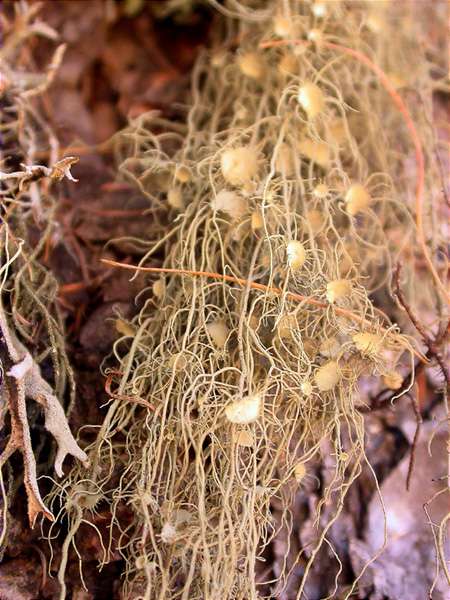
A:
22, 379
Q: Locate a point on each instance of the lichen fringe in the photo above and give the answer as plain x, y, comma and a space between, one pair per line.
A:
31, 329
290, 173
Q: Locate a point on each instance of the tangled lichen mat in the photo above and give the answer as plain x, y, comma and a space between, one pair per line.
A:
297, 230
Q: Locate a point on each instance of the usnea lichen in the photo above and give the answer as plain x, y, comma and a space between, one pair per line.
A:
292, 207
28, 315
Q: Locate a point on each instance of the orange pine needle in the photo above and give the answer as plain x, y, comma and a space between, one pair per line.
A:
243, 282
113, 213
254, 285
72, 288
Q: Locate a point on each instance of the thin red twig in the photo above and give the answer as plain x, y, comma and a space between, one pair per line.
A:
433, 347
419, 421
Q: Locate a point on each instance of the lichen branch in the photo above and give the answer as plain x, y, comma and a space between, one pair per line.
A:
23, 380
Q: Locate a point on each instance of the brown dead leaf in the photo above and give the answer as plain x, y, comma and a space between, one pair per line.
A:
20, 579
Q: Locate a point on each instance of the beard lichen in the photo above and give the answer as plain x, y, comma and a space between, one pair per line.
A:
245, 361
31, 332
